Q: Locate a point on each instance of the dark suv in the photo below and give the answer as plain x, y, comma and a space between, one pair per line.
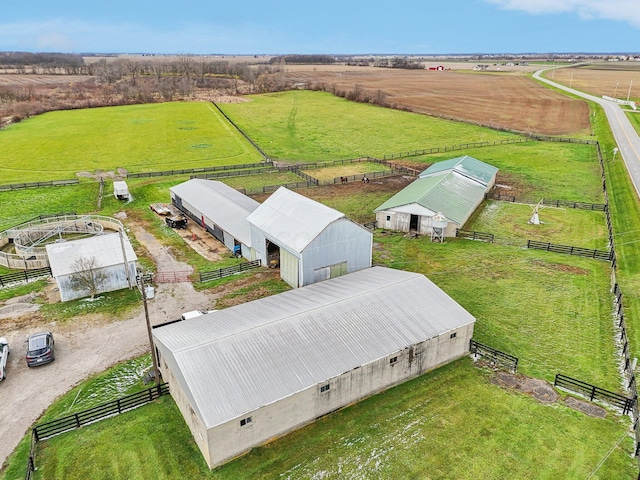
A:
40, 349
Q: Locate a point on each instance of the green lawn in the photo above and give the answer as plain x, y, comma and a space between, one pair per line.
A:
139, 138
551, 170
552, 311
449, 423
356, 168
565, 226
313, 126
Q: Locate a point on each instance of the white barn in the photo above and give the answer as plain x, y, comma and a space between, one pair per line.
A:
452, 189
219, 209
312, 242
109, 250
250, 373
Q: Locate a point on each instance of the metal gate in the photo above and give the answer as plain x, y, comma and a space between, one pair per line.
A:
172, 277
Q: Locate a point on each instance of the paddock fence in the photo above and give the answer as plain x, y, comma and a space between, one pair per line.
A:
228, 271
601, 207
24, 276
43, 431
570, 250
495, 356
52, 183
185, 171
594, 393
473, 235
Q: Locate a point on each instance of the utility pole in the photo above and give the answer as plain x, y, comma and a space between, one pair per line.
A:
629, 92
156, 372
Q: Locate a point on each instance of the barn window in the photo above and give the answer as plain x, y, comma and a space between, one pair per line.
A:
245, 421
325, 388
393, 360
388, 218
453, 335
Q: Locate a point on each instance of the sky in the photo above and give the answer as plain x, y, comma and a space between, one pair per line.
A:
420, 27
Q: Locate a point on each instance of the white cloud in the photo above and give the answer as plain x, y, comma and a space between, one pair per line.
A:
619, 10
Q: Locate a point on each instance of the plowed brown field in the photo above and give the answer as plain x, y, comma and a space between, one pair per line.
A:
508, 100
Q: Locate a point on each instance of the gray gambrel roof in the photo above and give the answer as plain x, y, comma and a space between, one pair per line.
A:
225, 206
234, 361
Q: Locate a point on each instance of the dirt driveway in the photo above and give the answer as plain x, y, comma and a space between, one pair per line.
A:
83, 347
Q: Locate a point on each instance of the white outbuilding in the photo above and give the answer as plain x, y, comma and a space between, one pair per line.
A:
219, 209
245, 375
107, 254
308, 240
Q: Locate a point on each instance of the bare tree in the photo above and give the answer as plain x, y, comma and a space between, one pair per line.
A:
87, 275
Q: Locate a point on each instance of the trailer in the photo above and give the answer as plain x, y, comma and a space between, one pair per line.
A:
176, 221
121, 190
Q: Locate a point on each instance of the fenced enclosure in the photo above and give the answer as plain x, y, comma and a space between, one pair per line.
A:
45, 430
594, 393
227, 271
601, 207
496, 356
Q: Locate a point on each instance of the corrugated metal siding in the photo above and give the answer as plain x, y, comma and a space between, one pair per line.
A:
220, 203
241, 358
341, 241
470, 167
116, 280
289, 268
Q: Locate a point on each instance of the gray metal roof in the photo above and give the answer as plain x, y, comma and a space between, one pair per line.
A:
225, 206
293, 220
107, 250
236, 360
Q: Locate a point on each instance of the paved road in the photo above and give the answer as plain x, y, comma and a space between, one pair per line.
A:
625, 135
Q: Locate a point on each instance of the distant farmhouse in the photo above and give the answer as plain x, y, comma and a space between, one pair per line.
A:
219, 209
245, 375
110, 253
310, 241
451, 189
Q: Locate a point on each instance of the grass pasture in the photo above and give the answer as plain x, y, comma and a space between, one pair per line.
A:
552, 311
139, 138
327, 174
564, 226
479, 430
315, 126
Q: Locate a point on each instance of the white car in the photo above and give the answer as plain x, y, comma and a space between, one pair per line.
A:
4, 355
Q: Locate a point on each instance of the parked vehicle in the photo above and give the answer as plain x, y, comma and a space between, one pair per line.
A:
4, 355
177, 221
40, 349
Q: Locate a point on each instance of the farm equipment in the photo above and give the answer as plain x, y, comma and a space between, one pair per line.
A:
160, 208
177, 221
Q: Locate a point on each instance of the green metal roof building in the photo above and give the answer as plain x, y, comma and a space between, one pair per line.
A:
451, 190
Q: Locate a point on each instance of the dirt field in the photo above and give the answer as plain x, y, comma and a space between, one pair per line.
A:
508, 100
614, 79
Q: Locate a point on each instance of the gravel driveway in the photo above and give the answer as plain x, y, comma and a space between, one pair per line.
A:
83, 347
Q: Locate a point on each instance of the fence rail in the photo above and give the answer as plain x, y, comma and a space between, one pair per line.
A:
225, 272
184, 171
496, 356
46, 430
485, 237
24, 276
601, 207
172, 277
370, 225
52, 183
569, 250
594, 393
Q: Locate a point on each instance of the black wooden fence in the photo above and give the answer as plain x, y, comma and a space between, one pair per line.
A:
593, 393
227, 271
52, 183
473, 235
601, 207
42, 431
496, 356
184, 171
24, 276
569, 250
46, 430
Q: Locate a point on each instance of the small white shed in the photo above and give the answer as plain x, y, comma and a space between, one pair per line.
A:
110, 251
121, 190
